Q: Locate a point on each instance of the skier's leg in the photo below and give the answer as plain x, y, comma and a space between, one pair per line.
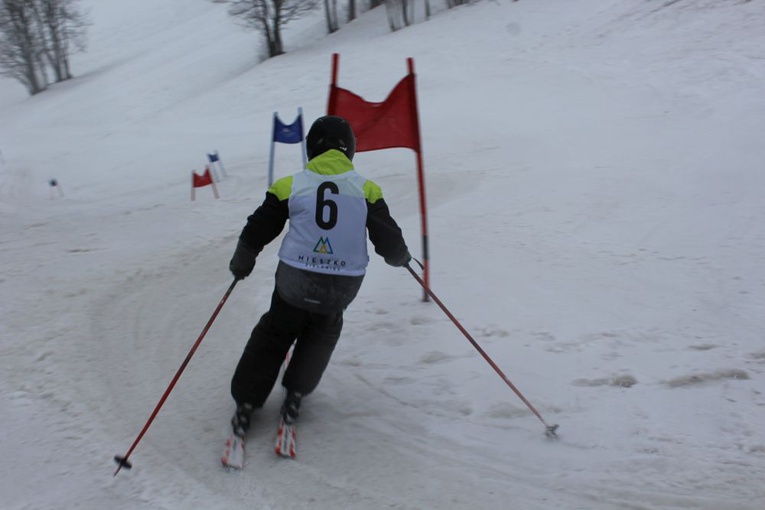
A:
259, 365
312, 352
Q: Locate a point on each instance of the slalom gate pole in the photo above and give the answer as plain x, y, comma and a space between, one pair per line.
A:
549, 429
122, 460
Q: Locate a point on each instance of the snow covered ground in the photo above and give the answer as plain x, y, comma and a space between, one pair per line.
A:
595, 189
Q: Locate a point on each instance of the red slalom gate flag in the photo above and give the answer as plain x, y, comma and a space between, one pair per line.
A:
392, 123
200, 181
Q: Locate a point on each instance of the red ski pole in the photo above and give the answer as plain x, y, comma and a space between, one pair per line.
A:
122, 460
549, 429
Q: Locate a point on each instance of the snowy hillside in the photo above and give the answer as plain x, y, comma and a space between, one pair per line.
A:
594, 182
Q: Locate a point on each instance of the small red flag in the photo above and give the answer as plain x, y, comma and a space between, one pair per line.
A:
199, 181
392, 123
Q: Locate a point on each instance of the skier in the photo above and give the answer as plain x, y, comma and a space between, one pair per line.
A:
322, 262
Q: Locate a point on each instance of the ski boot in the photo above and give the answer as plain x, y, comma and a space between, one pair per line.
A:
241, 420
290, 407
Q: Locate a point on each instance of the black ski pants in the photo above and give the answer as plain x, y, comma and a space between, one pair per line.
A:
314, 335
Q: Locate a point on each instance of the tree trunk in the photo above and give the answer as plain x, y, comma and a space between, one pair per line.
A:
275, 47
330, 11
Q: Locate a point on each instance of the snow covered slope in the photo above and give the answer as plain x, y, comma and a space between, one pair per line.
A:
594, 180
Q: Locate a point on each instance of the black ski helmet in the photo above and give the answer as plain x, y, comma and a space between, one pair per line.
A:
330, 132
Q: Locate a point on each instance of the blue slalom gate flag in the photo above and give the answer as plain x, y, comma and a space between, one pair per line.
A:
215, 161
288, 133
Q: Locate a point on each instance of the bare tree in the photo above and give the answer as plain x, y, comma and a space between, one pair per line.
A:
354, 7
36, 36
269, 16
330, 10
351, 10
61, 25
20, 46
400, 13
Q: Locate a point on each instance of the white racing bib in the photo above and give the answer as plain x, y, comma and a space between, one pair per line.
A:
327, 232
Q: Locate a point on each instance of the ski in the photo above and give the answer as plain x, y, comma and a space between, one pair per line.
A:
233, 453
286, 439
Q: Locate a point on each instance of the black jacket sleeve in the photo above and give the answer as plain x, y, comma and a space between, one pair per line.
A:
265, 224
385, 234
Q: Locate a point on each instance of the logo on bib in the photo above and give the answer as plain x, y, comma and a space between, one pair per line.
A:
323, 246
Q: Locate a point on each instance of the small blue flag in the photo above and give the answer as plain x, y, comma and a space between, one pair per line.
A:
213, 157
292, 133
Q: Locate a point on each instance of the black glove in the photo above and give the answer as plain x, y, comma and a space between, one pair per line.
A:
243, 261
400, 260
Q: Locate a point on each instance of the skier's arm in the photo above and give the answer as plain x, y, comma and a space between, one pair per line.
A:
262, 227
384, 232
266, 223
